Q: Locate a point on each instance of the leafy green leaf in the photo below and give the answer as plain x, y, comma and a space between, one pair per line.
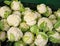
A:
1, 25
57, 24
18, 43
12, 37
51, 33
22, 9
7, 2
44, 35
6, 14
43, 26
14, 0
54, 40
34, 29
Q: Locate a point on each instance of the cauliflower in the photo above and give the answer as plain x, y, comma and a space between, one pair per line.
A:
30, 17
45, 24
15, 5
53, 18
54, 37
13, 20
27, 10
24, 26
5, 24
57, 26
31, 23
17, 13
28, 37
41, 8
37, 15
41, 39
5, 11
48, 12
14, 34
2, 36
57, 13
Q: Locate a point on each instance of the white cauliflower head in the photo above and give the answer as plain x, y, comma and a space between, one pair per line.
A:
31, 23
41, 8
30, 16
13, 20
2, 36
41, 39
28, 37
6, 26
24, 26
37, 15
14, 34
15, 5
48, 12
17, 13
45, 22
54, 37
5, 11
53, 18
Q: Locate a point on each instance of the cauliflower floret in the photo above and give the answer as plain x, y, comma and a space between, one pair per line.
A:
17, 13
41, 8
53, 18
27, 10
31, 23
2, 36
47, 21
30, 16
28, 37
14, 34
4, 11
13, 20
15, 5
6, 26
37, 15
54, 37
57, 26
41, 39
24, 26
54, 21
57, 13
48, 12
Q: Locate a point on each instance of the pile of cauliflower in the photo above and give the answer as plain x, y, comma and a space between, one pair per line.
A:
25, 27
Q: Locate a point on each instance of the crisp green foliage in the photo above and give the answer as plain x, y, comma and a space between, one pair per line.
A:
44, 35
7, 2
43, 26
34, 29
12, 37
6, 14
57, 24
1, 25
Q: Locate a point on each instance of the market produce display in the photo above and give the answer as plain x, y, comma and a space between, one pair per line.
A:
22, 26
